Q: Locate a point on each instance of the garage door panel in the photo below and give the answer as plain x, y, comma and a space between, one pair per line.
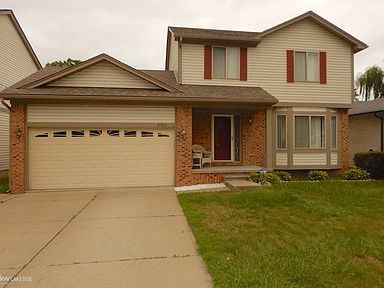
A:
102, 160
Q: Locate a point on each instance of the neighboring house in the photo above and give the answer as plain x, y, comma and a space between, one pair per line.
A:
276, 99
366, 127
17, 61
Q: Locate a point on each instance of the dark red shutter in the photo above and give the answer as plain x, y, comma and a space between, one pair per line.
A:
207, 62
243, 63
290, 67
323, 68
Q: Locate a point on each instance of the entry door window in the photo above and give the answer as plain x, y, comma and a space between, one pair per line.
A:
222, 139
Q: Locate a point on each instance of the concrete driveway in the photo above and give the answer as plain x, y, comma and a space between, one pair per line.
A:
135, 237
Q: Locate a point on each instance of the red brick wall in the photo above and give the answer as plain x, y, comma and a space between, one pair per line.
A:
183, 169
344, 139
17, 170
254, 146
201, 129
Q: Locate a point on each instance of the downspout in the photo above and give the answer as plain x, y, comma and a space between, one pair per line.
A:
381, 130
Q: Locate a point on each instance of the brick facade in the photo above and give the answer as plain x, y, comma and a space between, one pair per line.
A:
18, 134
183, 169
344, 139
254, 149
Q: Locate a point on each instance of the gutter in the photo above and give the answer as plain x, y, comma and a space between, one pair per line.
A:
381, 117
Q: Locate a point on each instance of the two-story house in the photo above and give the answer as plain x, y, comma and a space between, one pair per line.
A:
276, 99
17, 61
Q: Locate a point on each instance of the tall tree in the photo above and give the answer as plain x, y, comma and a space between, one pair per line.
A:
64, 63
371, 83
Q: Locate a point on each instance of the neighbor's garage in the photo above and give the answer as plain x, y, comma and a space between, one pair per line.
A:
81, 147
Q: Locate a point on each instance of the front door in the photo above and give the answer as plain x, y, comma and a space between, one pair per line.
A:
222, 138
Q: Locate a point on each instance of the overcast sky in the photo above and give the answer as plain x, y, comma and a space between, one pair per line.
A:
135, 31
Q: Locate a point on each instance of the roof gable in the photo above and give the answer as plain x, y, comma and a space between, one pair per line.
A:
102, 71
356, 44
20, 32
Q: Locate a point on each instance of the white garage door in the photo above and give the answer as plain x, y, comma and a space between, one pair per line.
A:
77, 158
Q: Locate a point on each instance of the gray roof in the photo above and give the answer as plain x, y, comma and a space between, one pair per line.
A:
365, 107
208, 94
211, 33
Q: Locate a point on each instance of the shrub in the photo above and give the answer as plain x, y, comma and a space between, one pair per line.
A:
356, 174
372, 162
317, 175
283, 175
264, 178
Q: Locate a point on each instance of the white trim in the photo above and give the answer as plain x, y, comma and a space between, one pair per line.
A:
232, 136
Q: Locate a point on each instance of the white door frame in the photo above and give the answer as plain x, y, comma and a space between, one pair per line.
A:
232, 137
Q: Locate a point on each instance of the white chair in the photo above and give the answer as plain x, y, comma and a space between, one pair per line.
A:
204, 156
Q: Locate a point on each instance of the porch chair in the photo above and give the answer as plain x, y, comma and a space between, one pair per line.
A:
203, 156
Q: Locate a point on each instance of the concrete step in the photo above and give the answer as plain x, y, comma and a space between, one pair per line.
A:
229, 177
240, 184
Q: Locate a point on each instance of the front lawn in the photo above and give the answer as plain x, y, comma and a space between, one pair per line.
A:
3, 185
328, 234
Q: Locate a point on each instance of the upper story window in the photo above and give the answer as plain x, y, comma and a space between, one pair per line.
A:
307, 66
226, 62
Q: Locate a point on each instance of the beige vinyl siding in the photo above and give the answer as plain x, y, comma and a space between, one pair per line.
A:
309, 159
15, 61
334, 158
281, 159
100, 114
267, 65
104, 74
4, 139
174, 56
364, 134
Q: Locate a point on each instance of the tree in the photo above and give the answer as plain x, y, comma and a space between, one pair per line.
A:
371, 82
64, 63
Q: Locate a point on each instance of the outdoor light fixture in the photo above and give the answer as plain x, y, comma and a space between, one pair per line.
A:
182, 132
18, 133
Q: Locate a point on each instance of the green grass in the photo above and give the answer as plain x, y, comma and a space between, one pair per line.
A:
3, 185
328, 234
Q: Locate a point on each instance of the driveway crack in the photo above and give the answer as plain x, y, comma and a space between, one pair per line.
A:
54, 237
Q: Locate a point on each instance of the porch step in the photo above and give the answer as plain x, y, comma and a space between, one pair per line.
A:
241, 184
239, 177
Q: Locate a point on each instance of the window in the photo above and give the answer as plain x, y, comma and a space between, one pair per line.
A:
281, 131
113, 133
333, 132
310, 132
146, 134
129, 133
95, 133
42, 135
77, 133
226, 62
60, 134
307, 66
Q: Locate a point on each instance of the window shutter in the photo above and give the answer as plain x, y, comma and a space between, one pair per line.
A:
243, 63
207, 62
323, 68
290, 66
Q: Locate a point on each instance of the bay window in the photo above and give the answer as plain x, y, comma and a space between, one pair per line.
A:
333, 132
281, 123
310, 132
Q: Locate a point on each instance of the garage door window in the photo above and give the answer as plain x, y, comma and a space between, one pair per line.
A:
42, 135
129, 133
77, 133
95, 133
162, 135
60, 134
113, 133
146, 134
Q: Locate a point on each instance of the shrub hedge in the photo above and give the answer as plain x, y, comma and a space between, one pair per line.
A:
317, 175
356, 174
372, 162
